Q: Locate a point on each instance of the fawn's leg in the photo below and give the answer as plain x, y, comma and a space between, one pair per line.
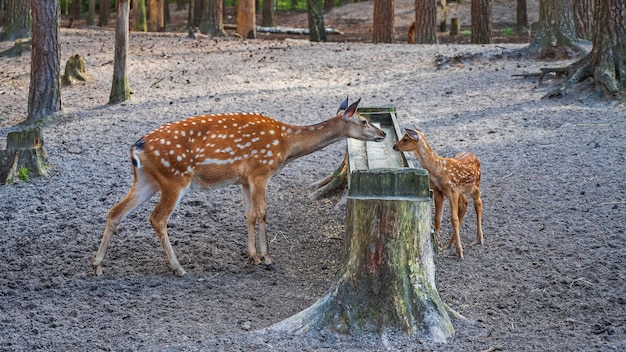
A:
454, 219
258, 193
251, 221
478, 207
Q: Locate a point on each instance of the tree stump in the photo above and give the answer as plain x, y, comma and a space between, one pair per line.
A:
21, 46
24, 152
74, 71
387, 279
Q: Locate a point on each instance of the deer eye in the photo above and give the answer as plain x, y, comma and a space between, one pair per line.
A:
363, 122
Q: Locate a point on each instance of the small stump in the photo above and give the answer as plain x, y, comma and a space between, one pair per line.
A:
24, 155
74, 71
21, 46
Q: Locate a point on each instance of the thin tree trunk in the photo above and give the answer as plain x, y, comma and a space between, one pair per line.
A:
384, 24
212, 22
91, 13
425, 22
44, 95
156, 21
482, 26
139, 9
267, 16
521, 23
317, 29
583, 18
119, 89
105, 12
246, 21
75, 15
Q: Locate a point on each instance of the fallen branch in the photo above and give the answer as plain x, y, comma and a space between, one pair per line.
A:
284, 30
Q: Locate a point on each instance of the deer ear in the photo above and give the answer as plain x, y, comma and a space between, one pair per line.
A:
412, 133
343, 105
349, 112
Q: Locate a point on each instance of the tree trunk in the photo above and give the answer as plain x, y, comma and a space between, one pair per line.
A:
24, 156
317, 29
606, 63
384, 21
212, 22
156, 21
425, 22
44, 95
583, 19
17, 20
443, 21
180, 5
139, 9
75, 13
267, 16
557, 35
482, 25
119, 90
166, 13
91, 12
246, 21
521, 23
387, 279
104, 13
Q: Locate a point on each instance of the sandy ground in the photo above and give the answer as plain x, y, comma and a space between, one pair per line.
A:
550, 276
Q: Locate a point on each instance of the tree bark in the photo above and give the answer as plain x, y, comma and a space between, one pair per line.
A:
139, 12
387, 279
212, 22
557, 35
44, 95
425, 22
156, 21
317, 29
384, 21
606, 63
24, 151
104, 13
91, 12
246, 21
267, 16
583, 19
119, 90
521, 22
482, 24
17, 20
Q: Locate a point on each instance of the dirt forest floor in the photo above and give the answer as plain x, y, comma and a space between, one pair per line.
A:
550, 276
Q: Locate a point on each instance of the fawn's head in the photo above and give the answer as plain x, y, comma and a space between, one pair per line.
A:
358, 127
409, 141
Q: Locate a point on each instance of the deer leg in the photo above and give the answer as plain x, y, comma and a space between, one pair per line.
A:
260, 209
454, 219
438, 197
251, 222
462, 207
478, 207
159, 218
137, 195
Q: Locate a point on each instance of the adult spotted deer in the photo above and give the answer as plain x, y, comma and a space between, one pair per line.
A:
451, 178
216, 150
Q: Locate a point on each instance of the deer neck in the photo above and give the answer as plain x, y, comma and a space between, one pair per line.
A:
426, 155
303, 140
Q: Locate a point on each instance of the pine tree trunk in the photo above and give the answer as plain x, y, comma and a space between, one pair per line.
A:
91, 12
482, 25
267, 16
557, 35
425, 22
212, 22
583, 18
156, 21
246, 21
521, 16
44, 95
317, 29
24, 151
387, 279
119, 90
139, 10
104, 13
384, 21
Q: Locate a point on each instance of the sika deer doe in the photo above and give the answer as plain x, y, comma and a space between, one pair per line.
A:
216, 150
451, 178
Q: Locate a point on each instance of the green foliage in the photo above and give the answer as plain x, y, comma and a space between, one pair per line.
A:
466, 33
23, 174
506, 32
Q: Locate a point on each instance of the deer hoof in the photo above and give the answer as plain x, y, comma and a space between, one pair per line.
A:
270, 267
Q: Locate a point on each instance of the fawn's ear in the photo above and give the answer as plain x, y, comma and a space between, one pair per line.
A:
351, 110
343, 105
412, 134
